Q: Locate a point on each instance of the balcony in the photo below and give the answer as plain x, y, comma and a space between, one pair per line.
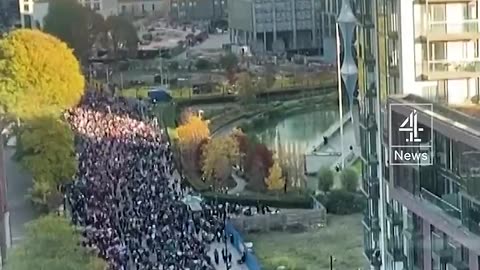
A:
393, 70
442, 203
450, 31
450, 69
441, 1
364, 186
444, 255
395, 250
457, 265
394, 217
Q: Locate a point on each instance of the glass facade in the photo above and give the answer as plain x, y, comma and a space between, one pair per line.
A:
406, 205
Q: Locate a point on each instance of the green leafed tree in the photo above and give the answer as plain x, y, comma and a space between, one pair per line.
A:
39, 75
325, 179
246, 87
52, 243
74, 24
48, 153
229, 62
349, 179
123, 34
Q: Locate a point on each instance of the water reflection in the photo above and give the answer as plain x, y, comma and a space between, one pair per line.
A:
304, 130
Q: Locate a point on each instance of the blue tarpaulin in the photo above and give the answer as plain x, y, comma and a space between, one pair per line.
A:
159, 94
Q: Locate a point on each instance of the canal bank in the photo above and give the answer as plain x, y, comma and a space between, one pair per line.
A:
224, 123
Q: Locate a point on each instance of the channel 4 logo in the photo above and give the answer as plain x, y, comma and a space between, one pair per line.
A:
410, 144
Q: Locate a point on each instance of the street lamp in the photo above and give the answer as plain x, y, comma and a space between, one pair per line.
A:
226, 237
346, 23
332, 259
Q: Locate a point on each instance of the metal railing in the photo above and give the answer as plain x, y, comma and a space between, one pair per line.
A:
446, 28
449, 208
445, 65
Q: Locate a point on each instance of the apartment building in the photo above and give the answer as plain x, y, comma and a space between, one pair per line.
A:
275, 25
105, 8
140, 8
32, 13
412, 52
198, 10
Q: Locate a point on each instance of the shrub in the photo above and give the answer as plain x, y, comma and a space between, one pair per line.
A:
203, 64
325, 179
342, 202
349, 179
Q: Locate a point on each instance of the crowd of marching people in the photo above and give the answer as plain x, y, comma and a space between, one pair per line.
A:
127, 194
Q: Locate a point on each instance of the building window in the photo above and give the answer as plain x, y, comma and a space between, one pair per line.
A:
143, 8
124, 9
96, 6
28, 21
153, 7
26, 7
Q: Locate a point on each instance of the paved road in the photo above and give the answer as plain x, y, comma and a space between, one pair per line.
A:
18, 183
235, 256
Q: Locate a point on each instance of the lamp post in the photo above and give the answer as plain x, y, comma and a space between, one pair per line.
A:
347, 72
226, 237
332, 259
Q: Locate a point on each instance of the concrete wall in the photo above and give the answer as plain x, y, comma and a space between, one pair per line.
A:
282, 220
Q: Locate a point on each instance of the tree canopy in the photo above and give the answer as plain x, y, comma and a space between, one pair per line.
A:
48, 153
246, 87
39, 75
349, 179
51, 243
193, 130
74, 24
229, 62
219, 155
123, 34
275, 181
325, 179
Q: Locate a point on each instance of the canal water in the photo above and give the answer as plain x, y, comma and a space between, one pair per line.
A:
303, 131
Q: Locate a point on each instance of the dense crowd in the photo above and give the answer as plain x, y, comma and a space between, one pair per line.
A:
128, 195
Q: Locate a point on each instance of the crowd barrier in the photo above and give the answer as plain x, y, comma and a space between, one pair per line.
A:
251, 260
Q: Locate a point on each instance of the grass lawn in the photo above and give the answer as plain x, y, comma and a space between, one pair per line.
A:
342, 238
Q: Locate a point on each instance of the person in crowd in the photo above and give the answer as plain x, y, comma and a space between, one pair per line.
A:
127, 194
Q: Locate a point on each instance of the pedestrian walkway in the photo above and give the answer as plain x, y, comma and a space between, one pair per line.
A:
19, 206
231, 249
241, 183
335, 145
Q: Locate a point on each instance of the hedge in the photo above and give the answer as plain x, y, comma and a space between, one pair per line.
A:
282, 201
342, 202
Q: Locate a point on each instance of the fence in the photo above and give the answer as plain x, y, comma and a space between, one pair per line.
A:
287, 218
250, 260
